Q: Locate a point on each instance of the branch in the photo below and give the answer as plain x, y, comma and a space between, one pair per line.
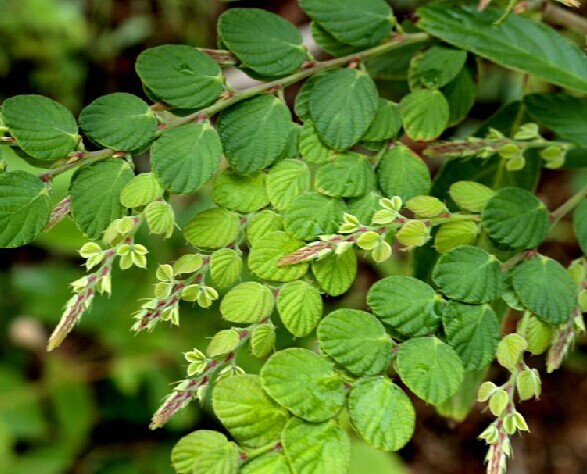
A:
562, 17
567, 206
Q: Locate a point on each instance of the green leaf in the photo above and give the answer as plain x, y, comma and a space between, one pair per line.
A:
223, 342
343, 104
160, 218
364, 207
263, 41
222, 461
545, 288
580, 224
518, 43
460, 94
261, 224
42, 127
539, 335
509, 350
381, 413
193, 446
470, 196
312, 214
425, 114
516, 217
225, 267
469, 274
270, 463
180, 75
287, 180
436, 67
329, 43
254, 133
356, 340
386, 124
240, 193
473, 332
25, 208
247, 412
300, 307
394, 65
336, 273
185, 158
213, 228
304, 383
430, 368
269, 250
363, 23
349, 175
262, 340
302, 102
455, 234
402, 173
140, 191
248, 302
316, 448
405, 304
95, 195
312, 149
119, 121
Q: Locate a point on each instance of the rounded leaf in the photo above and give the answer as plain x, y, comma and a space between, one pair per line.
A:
269, 250
140, 191
313, 214
225, 267
160, 218
287, 180
189, 448
336, 273
261, 224
262, 340
425, 114
455, 234
300, 307
248, 302
386, 124
436, 67
312, 148
402, 173
240, 193
349, 175
213, 228
271, 463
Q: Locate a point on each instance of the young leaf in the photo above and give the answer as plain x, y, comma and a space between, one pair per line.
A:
386, 124
191, 447
405, 304
225, 267
269, 250
425, 114
185, 158
222, 461
430, 368
240, 193
336, 273
580, 224
261, 224
316, 448
312, 214
254, 133
473, 332
517, 218
262, 340
356, 340
140, 191
349, 175
287, 180
455, 234
263, 41
25, 208
248, 302
160, 218
342, 105
119, 121
95, 195
545, 288
42, 127
271, 463
518, 42
402, 173
180, 75
381, 413
300, 307
469, 274
247, 412
470, 196
436, 67
213, 228
304, 383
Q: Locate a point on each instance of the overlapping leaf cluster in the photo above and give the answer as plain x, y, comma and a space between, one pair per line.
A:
297, 204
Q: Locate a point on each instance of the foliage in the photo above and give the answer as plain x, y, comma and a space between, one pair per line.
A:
296, 207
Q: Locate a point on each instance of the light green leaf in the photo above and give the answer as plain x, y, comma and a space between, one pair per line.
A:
247, 412
460, 94
25, 208
436, 67
430, 368
342, 105
425, 114
222, 461
336, 273
470, 196
140, 191
269, 250
287, 180
402, 173
356, 340
263, 41
304, 383
254, 133
95, 195
539, 335
516, 217
545, 288
185, 158
300, 307
349, 175
42, 127
213, 228
225, 267
469, 274
329, 43
240, 193
160, 218
191, 447
223, 342
119, 121
312, 149
262, 340
316, 448
518, 42
363, 23
180, 75
270, 463
386, 124
313, 214
509, 350
455, 234
381, 413
248, 302
405, 304
473, 332
580, 224
261, 224
364, 207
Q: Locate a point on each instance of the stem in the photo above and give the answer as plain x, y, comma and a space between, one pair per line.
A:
563, 17
567, 206
89, 157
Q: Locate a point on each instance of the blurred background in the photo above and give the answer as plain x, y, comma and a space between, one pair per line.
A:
85, 408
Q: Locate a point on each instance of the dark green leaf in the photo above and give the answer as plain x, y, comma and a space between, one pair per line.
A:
425, 114
436, 67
